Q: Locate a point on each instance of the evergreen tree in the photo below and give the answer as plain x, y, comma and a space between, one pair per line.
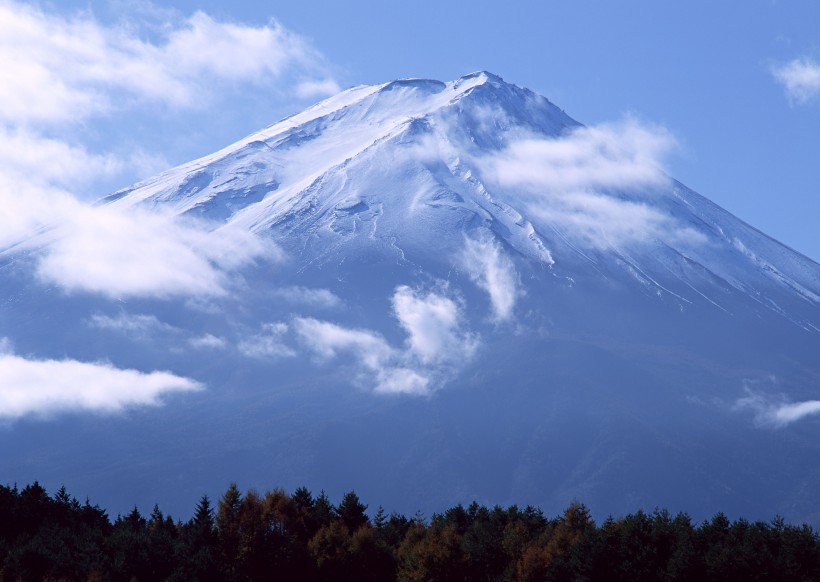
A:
352, 512
323, 510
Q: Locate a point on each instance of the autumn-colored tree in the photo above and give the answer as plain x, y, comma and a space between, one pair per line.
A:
432, 553
548, 557
227, 527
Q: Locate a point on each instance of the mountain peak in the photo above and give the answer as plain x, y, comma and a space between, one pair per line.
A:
353, 168
465, 240
483, 76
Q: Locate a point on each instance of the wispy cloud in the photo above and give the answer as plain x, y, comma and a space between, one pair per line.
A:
595, 183
62, 78
207, 341
61, 73
48, 387
134, 325
800, 78
58, 68
319, 88
494, 272
378, 363
308, 296
776, 411
27, 156
437, 344
269, 343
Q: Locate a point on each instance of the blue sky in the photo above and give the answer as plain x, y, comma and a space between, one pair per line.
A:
736, 84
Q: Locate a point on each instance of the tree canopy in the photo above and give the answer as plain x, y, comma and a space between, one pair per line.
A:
299, 536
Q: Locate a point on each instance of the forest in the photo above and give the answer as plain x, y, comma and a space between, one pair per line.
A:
299, 536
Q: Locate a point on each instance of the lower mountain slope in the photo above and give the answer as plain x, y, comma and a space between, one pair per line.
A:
461, 294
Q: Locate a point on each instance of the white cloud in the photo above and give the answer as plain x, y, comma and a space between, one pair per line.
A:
28, 157
268, 343
382, 366
319, 298
437, 345
55, 68
321, 88
595, 183
207, 341
328, 340
606, 156
123, 252
58, 71
494, 272
800, 77
776, 411
433, 326
402, 381
134, 325
46, 387
134, 253
61, 78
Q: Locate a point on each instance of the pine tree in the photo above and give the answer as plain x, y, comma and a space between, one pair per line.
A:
323, 510
352, 512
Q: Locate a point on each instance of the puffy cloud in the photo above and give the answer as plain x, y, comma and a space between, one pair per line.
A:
776, 411
800, 77
494, 272
433, 326
121, 253
602, 157
47, 387
595, 183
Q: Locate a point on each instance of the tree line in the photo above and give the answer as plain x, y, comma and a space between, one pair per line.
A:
299, 536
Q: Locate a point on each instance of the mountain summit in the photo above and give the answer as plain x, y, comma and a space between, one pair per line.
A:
394, 165
434, 293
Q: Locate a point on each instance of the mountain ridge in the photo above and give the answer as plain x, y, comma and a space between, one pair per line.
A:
444, 292
268, 197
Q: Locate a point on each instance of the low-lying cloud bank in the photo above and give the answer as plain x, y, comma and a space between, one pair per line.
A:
46, 387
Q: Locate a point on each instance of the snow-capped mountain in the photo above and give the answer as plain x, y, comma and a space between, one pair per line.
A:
432, 293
